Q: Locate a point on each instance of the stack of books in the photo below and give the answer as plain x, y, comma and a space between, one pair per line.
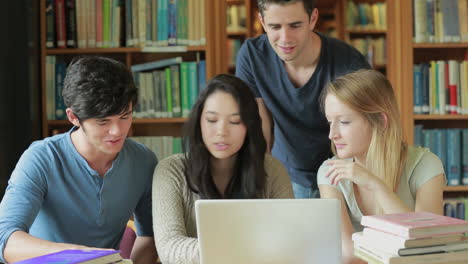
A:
412, 238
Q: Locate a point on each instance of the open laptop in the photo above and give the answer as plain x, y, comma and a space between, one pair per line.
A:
276, 231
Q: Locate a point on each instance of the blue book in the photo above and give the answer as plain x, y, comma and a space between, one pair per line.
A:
76, 256
425, 88
156, 64
460, 210
417, 89
201, 75
60, 70
172, 34
418, 135
439, 145
465, 156
430, 20
453, 156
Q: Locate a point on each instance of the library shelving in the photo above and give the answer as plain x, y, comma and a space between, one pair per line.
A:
210, 50
330, 20
401, 73
365, 28
241, 24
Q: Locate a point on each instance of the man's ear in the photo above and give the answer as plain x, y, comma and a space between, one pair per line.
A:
314, 16
72, 117
260, 18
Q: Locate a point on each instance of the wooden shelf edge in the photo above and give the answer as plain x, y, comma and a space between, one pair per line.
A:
366, 31
462, 188
136, 121
440, 117
235, 2
125, 50
440, 45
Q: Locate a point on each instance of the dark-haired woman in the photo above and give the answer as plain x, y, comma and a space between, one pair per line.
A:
224, 158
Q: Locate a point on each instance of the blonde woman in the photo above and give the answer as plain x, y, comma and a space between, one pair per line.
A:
373, 171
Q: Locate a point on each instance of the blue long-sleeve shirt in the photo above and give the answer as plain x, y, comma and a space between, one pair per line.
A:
53, 194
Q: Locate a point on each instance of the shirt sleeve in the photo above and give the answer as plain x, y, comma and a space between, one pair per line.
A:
244, 68
172, 242
427, 168
280, 183
143, 214
24, 195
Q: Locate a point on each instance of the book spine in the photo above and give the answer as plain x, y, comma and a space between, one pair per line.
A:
50, 24
168, 91
172, 34
193, 83
128, 24
465, 156
417, 98
184, 88
175, 79
99, 24
60, 23
453, 156
71, 24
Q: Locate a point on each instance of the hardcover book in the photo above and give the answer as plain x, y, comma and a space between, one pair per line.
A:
415, 224
77, 256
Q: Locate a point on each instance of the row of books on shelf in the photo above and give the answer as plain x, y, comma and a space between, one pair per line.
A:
441, 87
233, 46
411, 238
456, 207
366, 15
236, 18
118, 23
451, 146
440, 21
167, 88
163, 147
374, 49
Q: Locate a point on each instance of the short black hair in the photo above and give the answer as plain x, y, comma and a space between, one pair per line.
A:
249, 176
309, 5
97, 87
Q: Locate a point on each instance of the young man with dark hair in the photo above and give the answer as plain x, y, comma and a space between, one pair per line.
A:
77, 190
287, 68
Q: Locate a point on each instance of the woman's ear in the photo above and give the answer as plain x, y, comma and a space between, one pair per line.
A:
385, 120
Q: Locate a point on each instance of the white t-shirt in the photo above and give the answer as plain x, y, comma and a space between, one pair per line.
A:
421, 166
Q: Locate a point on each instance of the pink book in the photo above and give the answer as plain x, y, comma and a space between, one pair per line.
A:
415, 224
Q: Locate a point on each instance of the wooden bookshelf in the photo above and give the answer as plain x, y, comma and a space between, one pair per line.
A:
211, 52
441, 117
400, 73
367, 35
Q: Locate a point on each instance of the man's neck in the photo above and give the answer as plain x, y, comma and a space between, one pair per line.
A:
300, 71
97, 160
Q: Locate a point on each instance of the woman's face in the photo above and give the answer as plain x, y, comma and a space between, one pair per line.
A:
222, 129
349, 131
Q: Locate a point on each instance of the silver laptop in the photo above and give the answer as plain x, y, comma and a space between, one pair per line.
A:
280, 231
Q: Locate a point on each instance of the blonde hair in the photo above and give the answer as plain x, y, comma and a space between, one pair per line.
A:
369, 93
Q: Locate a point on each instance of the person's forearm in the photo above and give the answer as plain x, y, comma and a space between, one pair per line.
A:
389, 201
22, 245
144, 251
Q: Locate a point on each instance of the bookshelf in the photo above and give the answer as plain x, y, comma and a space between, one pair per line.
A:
211, 52
241, 24
365, 27
401, 75
330, 20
